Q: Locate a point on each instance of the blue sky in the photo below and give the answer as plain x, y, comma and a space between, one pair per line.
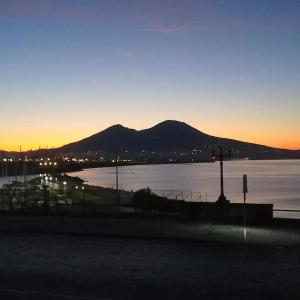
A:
72, 68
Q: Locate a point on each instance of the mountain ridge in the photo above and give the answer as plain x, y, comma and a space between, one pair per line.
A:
167, 137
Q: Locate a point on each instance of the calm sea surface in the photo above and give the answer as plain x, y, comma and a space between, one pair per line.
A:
276, 182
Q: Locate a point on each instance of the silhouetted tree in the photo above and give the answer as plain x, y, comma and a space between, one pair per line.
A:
147, 201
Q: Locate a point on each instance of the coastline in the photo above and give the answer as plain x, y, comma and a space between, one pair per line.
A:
76, 167
73, 167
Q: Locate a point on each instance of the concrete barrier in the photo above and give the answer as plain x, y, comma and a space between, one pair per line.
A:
227, 213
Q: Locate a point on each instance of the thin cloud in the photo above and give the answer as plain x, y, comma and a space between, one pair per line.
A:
172, 16
132, 55
168, 29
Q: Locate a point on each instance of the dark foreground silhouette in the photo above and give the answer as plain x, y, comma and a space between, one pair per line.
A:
81, 267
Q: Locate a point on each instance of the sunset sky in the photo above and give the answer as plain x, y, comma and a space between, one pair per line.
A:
71, 68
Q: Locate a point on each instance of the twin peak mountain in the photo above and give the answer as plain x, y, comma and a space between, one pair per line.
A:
169, 137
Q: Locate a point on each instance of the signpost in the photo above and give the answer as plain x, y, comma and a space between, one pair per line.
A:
245, 191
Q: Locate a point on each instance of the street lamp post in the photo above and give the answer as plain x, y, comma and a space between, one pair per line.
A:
222, 198
117, 173
117, 179
83, 199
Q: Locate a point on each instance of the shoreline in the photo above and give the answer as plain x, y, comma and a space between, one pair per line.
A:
75, 167
95, 185
90, 165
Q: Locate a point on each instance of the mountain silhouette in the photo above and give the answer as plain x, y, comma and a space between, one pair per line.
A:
165, 139
115, 138
169, 136
166, 136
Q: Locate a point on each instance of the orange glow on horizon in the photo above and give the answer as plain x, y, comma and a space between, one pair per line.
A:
54, 141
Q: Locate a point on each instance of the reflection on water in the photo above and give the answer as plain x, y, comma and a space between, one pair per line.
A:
276, 182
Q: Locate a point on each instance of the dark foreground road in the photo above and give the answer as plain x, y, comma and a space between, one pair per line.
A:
36, 266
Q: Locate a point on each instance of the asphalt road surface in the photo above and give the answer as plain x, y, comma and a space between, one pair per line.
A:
44, 266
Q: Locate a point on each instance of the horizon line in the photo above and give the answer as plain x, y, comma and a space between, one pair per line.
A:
43, 148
